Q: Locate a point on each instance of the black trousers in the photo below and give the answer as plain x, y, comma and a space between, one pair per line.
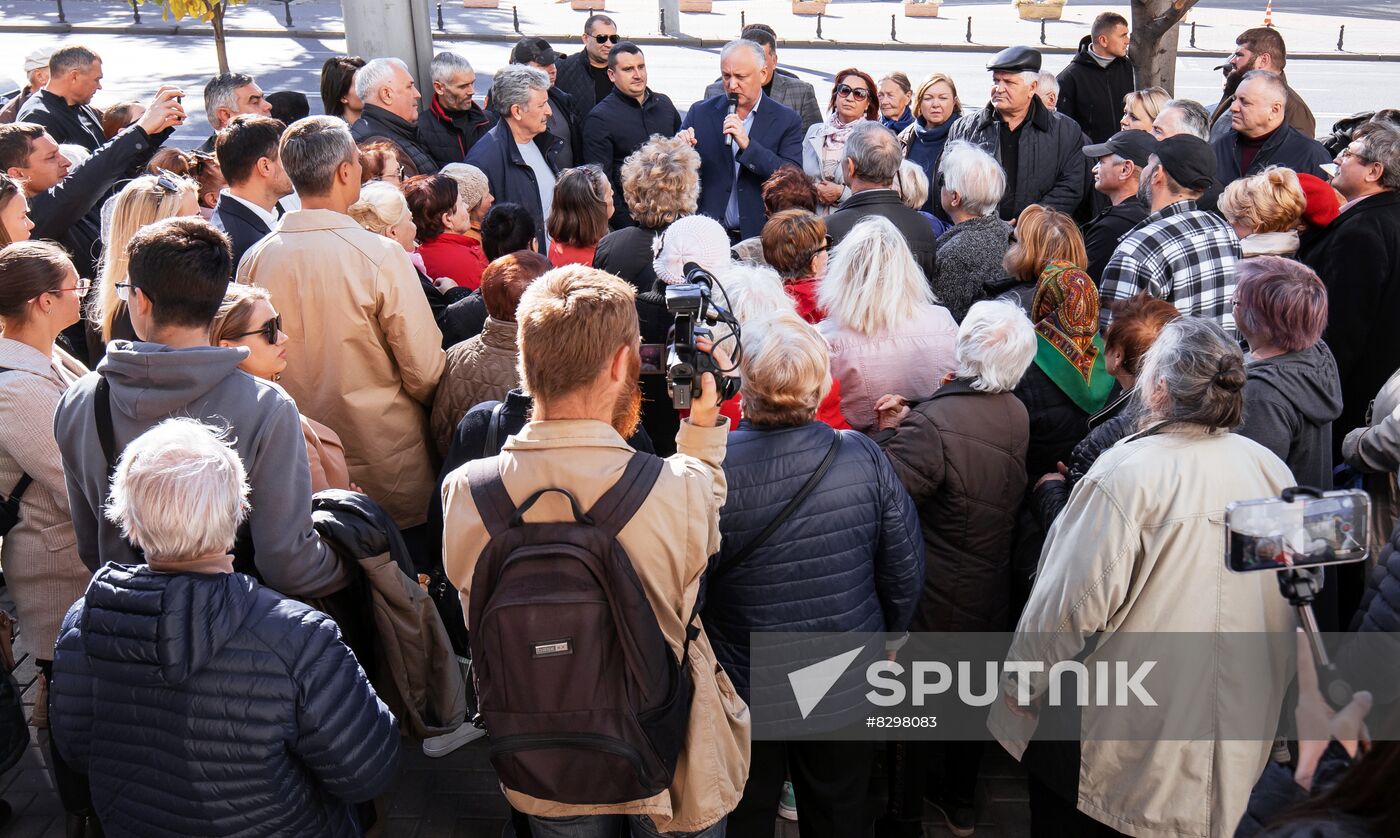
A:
1052, 778
72, 785
830, 780
936, 770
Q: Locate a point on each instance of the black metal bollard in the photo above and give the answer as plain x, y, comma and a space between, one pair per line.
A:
969, 29
819, 26
742, 24
663, 22
441, 26
893, 36
1042, 30
287, 12
135, 12
62, 18
1193, 34
1341, 34
515, 18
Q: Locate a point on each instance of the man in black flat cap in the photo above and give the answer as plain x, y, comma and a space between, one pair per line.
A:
1038, 148
1179, 253
1117, 175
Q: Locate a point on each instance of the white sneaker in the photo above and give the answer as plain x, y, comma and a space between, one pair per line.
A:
441, 746
787, 802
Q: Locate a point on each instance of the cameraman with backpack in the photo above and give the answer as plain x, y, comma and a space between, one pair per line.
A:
579, 562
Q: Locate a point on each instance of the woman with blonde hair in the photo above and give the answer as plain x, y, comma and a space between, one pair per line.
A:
886, 330
660, 183
1266, 210
143, 201
936, 108
1140, 108
1042, 236
247, 319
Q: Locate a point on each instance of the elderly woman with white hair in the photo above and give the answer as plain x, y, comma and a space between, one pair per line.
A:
961, 454
912, 187
1138, 549
886, 331
193, 697
845, 557
970, 253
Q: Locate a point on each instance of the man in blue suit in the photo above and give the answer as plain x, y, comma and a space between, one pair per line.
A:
765, 135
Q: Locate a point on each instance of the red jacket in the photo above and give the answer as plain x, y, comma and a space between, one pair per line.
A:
804, 293
455, 256
829, 411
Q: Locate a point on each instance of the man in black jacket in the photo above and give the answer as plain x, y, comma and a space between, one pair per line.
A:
564, 121
1038, 149
626, 119
1117, 174
1260, 137
452, 122
519, 155
584, 75
248, 209
391, 110
75, 76
873, 156
1092, 87
1358, 259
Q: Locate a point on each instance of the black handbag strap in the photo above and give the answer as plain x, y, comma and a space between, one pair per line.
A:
102, 413
493, 430
24, 479
791, 507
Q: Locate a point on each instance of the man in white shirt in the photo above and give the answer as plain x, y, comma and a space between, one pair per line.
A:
519, 155
248, 209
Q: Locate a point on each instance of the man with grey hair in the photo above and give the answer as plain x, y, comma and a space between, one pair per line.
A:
367, 353
227, 95
743, 137
1259, 135
1358, 259
1182, 116
1047, 87
391, 111
873, 155
453, 121
780, 85
519, 155
63, 106
1036, 147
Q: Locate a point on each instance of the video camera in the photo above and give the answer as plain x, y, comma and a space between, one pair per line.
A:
692, 305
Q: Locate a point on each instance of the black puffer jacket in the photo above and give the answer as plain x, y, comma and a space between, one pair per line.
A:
378, 124
1050, 164
961, 454
1276, 793
1092, 95
1107, 427
206, 704
848, 560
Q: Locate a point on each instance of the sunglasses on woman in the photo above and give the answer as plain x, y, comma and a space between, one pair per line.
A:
269, 331
606, 39
860, 94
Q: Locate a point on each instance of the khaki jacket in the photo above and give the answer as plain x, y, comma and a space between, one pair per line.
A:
364, 353
40, 554
480, 369
1141, 548
670, 540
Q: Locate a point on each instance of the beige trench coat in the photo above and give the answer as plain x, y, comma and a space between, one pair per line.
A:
40, 555
670, 540
1141, 548
364, 353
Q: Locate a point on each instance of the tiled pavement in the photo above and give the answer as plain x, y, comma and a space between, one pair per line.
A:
457, 796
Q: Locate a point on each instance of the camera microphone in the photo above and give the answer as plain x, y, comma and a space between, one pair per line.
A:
733, 107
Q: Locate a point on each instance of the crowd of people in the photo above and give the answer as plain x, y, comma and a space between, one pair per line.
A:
999, 369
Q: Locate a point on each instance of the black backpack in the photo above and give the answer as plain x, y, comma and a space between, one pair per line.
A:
582, 697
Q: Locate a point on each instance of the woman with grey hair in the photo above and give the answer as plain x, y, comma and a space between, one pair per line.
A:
193, 697
961, 455
970, 253
1138, 549
886, 330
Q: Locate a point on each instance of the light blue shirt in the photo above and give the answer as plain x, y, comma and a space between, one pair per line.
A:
731, 212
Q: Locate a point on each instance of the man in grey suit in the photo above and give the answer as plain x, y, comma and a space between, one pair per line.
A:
780, 85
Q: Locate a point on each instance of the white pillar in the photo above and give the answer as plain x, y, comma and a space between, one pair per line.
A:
392, 29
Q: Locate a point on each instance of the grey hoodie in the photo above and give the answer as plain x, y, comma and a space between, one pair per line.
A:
1290, 403
150, 382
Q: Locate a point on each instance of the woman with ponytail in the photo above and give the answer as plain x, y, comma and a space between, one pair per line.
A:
1139, 548
1266, 211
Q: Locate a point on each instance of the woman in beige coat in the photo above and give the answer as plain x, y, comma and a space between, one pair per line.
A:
1140, 548
40, 296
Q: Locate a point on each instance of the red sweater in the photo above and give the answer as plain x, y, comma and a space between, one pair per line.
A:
804, 293
455, 256
829, 411
561, 254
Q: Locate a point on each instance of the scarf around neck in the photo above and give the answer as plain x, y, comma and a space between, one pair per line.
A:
1069, 350
833, 134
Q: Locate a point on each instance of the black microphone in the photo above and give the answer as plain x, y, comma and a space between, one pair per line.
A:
733, 106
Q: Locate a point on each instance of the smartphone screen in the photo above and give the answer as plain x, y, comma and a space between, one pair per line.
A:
1271, 534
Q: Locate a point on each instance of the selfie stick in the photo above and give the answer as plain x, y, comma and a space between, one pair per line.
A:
1300, 586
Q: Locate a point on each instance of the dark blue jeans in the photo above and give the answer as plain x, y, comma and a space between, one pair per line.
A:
610, 826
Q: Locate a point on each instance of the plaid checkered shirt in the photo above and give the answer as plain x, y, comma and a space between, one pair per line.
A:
1179, 254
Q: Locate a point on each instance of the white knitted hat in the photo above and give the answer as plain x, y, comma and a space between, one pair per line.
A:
694, 238
471, 182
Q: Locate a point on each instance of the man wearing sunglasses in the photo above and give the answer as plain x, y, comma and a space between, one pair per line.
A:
584, 75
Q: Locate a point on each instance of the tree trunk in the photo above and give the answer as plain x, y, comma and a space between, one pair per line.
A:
219, 46
1154, 40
